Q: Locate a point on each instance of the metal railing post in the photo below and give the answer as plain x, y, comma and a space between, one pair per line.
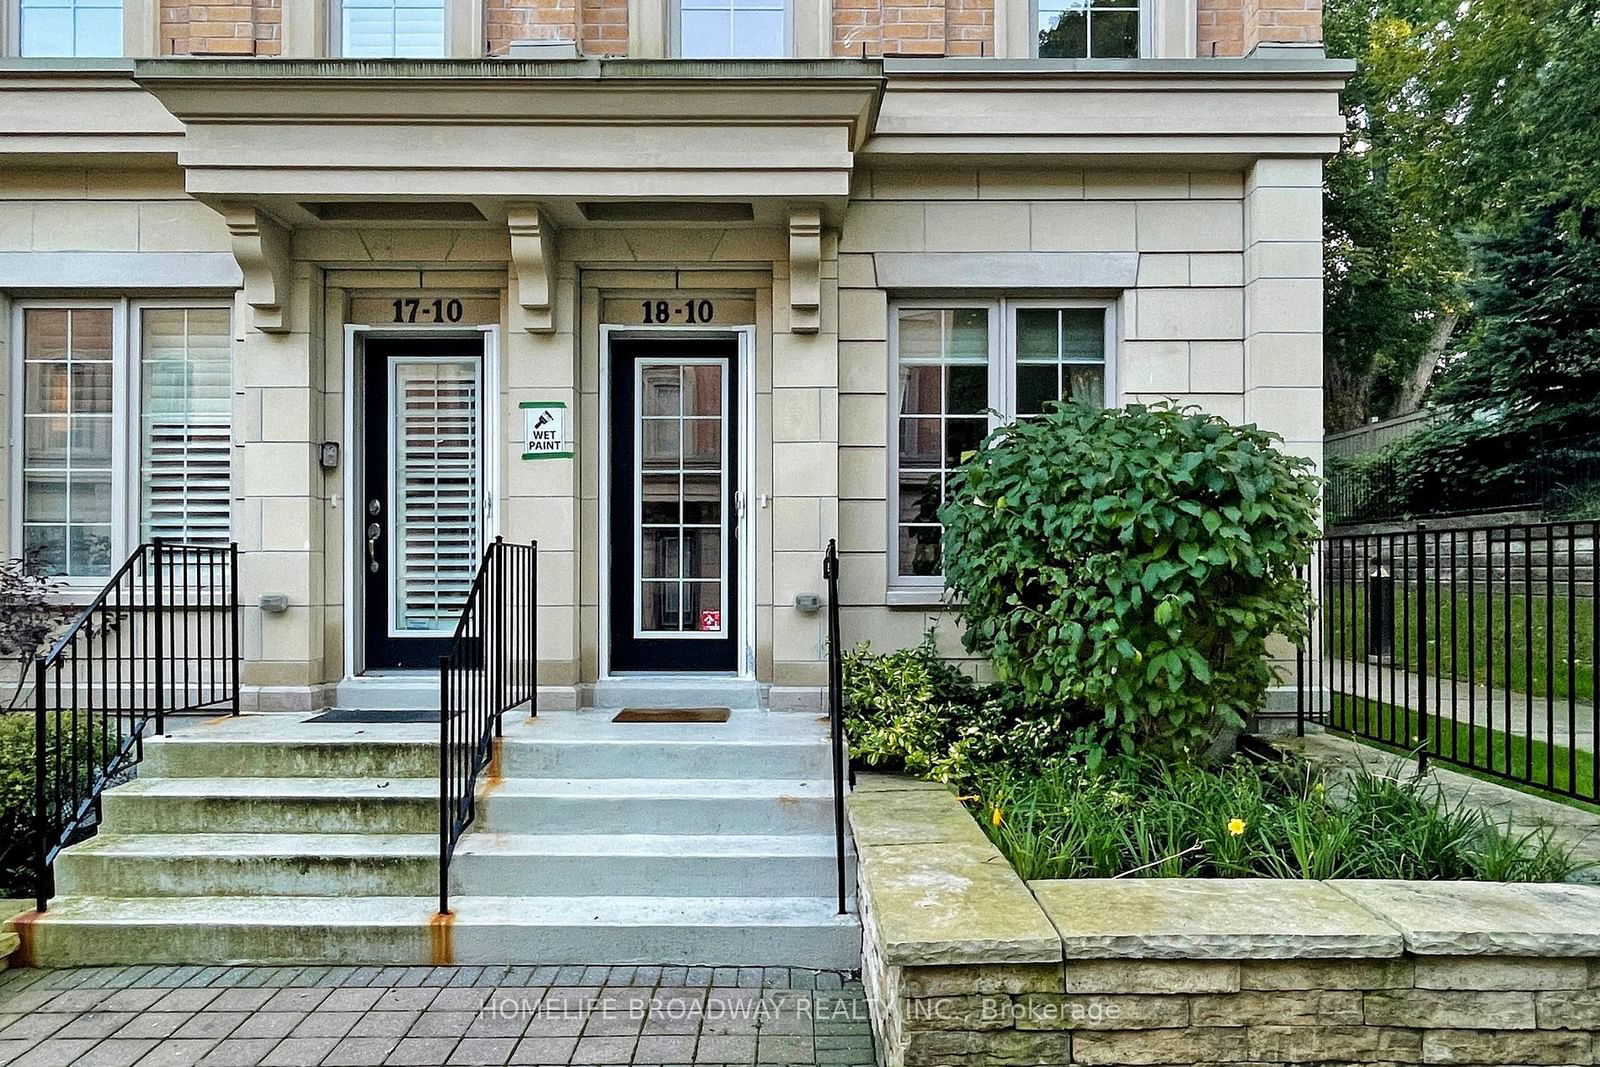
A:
497, 681
41, 886
830, 572
161, 654
445, 814
1421, 666
533, 630
233, 610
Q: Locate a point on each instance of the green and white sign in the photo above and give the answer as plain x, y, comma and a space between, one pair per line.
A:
545, 434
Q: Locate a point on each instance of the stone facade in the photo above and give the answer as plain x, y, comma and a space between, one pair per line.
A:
1153, 971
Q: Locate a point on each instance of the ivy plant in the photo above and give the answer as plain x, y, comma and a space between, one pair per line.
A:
1134, 561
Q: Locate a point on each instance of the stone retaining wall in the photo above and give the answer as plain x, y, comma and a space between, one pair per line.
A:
965, 964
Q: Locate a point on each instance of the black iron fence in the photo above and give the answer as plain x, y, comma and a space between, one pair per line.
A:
1474, 646
836, 739
161, 638
490, 668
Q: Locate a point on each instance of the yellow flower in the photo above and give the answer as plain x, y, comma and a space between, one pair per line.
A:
997, 817
1236, 827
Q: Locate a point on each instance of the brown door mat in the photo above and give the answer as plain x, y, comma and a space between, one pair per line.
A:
672, 715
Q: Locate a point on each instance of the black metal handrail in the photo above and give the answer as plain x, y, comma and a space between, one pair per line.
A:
830, 572
1476, 646
491, 667
161, 637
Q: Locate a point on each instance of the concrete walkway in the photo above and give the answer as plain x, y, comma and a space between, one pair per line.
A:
1574, 725
430, 1016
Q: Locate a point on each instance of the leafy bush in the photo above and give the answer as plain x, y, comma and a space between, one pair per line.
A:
18, 840
1248, 819
912, 711
1134, 561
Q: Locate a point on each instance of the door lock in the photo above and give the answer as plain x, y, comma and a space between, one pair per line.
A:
374, 531
374, 506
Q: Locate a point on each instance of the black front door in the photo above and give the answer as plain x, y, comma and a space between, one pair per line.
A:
420, 527
674, 553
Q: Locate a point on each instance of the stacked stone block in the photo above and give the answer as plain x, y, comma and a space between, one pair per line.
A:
1184, 971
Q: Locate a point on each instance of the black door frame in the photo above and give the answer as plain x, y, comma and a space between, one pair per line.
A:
736, 344
360, 341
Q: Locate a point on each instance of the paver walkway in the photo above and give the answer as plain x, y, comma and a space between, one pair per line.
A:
430, 1016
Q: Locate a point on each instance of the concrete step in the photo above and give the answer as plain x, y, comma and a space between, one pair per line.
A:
670, 691
727, 931
217, 756
636, 758
657, 806
685, 865
273, 805
243, 865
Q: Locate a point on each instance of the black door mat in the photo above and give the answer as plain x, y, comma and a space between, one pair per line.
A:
672, 715
368, 715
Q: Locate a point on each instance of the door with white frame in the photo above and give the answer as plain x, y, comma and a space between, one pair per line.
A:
674, 504
420, 522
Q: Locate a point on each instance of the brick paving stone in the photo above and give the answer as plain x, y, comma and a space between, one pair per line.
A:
406, 998
327, 1024
10, 1050
135, 999
215, 1025
480, 1051
116, 1052
604, 1050
348, 999
384, 1024
422, 1051
459, 999
544, 1050
238, 1052
242, 999
177, 1053
55, 1052
442, 1024
299, 1052
360, 1051
189, 1000
96, 1024
153, 1025
37, 1026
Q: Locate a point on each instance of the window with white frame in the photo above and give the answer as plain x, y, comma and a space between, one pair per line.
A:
382, 29
733, 29
121, 402
962, 366
1087, 29
88, 28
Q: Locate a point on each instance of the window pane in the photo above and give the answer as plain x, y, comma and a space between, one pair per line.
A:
186, 424
659, 552
1036, 387
702, 443
1084, 331
702, 606
919, 551
702, 499
1115, 35
660, 389
919, 444
920, 332
919, 390
758, 34
658, 606
1085, 383
659, 499
659, 444
967, 389
1038, 335
961, 438
1063, 34
705, 34
67, 439
379, 28
702, 389
702, 553
969, 333
919, 498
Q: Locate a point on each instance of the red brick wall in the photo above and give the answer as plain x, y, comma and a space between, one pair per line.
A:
1234, 27
913, 28
221, 28
599, 26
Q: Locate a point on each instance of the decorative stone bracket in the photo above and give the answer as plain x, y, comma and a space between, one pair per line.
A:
533, 262
261, 247
805, 269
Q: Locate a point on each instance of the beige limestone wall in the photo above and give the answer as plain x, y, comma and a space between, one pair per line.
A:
1223, 311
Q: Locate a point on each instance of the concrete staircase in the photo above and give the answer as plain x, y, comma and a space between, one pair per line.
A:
273, 840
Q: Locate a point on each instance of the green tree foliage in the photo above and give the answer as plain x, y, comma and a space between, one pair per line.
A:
1133, 562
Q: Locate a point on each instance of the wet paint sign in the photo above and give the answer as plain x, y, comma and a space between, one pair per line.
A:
545, 433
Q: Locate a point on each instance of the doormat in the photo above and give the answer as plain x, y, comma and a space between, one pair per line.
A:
360, 715
672, 715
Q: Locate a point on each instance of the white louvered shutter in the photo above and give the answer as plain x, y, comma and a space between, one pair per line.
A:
435, 435
186, 433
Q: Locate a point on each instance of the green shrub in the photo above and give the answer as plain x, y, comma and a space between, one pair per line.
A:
1248, 819
912, 711
18, 841
1133, 561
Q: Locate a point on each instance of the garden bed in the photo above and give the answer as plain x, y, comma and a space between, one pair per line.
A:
968, 964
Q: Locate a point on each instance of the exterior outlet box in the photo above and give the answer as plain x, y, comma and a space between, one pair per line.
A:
275, 603
807, 603
542, 50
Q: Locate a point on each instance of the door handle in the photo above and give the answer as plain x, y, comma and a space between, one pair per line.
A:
374, 531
